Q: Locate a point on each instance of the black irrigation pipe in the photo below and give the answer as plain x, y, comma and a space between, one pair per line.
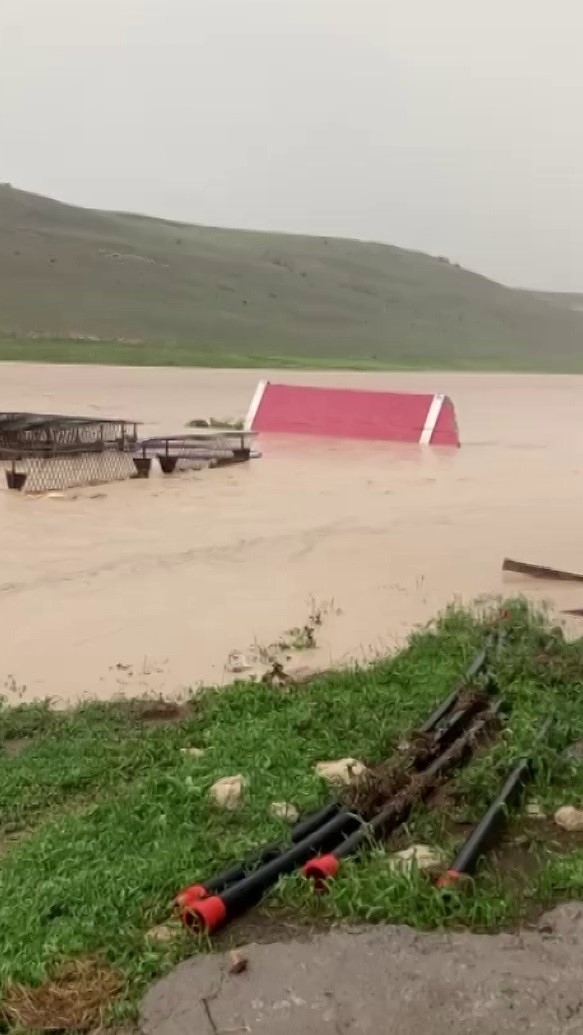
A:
486, 832
476, 666
239, 870
304, 828
212, 912
325, 867
241, 885
349, 829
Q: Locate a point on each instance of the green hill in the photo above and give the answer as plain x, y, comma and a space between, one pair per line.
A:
117, 287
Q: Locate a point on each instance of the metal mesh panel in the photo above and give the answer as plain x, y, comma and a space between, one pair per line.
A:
44, 474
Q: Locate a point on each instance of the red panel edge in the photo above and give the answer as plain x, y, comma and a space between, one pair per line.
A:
272, 410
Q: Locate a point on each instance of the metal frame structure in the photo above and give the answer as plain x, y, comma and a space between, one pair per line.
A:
42, 451
212, 448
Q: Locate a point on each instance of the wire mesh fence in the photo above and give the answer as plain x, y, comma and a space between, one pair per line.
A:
46, 474
44, 452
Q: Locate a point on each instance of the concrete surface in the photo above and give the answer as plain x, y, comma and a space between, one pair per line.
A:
384, 980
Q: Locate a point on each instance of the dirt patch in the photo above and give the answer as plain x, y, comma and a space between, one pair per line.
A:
264, 927
74, 1000
158, 713
521, 851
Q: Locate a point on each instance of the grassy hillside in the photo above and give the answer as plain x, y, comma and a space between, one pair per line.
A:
78, 284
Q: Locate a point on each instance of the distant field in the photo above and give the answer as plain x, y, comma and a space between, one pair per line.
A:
178, 355
79, 285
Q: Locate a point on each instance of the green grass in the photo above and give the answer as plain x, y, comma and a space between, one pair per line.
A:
112, 353
174, 354
102, 819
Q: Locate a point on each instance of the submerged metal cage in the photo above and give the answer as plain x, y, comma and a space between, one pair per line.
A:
211, 448
41, 452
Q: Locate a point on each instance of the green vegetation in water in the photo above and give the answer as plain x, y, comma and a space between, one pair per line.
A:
103, 817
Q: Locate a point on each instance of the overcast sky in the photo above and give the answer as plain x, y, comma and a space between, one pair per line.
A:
449, 126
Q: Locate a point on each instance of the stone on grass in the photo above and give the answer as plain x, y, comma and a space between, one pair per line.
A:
163, 934
283, 810
228, 791
192, 752
535, 810
426, 859
569, 818
344, 770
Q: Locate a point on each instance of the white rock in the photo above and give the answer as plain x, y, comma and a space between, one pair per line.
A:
569, 818
535, 810
344, 770
192, 752
424, 858
228, 792
283, 810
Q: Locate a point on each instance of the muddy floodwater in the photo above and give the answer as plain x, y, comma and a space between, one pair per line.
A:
149, 586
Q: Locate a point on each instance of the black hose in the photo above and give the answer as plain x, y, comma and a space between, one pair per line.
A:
259, 857
210, 913
332, 820
487, 830
396, 811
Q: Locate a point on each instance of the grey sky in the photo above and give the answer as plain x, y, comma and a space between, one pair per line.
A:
451, 126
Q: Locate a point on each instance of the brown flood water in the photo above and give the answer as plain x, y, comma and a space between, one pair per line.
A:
149, 586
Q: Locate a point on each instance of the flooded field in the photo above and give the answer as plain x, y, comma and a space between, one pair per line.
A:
150, 586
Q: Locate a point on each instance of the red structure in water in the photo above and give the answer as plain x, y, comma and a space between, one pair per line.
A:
352, 413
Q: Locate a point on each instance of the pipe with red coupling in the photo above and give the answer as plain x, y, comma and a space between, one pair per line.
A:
208, 914
325, 867
239, 870
243, 884
491, 823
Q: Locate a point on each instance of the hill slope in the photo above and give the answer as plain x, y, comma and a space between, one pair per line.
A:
70, 272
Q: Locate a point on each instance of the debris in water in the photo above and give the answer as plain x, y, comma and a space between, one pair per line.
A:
538, 571
237, 662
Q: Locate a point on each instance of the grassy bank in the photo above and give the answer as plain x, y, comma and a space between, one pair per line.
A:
114, 353
174, 354
103, 818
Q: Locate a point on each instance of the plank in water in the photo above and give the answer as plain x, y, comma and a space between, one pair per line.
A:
538, 571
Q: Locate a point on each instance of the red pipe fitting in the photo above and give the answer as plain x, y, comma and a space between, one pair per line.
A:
205, 914
321, 869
